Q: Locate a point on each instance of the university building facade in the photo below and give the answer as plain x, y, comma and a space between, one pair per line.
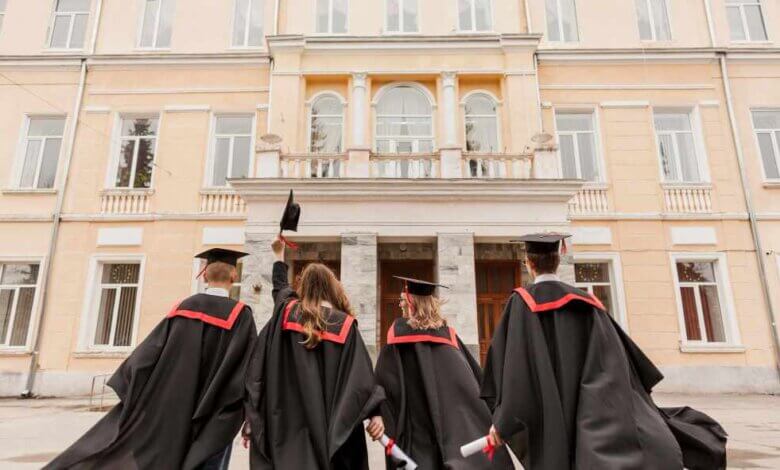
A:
420, 137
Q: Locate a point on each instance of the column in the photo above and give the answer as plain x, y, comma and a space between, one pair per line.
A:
455, 265
451, 152
359, 273
256, 276
358, 164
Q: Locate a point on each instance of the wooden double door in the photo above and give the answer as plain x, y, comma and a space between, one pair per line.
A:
390, 288
495, 281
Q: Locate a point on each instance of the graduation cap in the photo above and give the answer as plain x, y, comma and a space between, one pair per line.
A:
222, 255
290, 217
540, 243
418, 287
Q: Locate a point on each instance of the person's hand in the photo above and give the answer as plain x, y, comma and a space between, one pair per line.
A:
246, 434
277, 246
376, 427
494, 437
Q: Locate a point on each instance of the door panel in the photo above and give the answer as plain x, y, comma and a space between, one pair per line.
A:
495, 281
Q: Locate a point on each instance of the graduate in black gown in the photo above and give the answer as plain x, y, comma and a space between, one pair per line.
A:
310, 382
182, 388
432, 386
569, 389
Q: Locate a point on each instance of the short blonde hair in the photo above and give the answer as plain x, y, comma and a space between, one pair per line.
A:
220, 272
425, 312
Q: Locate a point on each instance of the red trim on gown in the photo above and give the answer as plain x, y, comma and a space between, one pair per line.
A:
339, 338
555, 304
419, 338
226, 324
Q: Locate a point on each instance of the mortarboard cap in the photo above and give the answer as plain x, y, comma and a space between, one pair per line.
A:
540, 243
223, 255
291, 215
418, 287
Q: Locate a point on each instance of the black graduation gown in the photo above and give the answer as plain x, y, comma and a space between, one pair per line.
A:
306, 407
569, 389
433, 405
180, 392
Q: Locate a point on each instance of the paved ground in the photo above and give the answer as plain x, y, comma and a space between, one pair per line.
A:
34, 431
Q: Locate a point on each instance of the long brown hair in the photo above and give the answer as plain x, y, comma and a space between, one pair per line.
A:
424, 313
318, 284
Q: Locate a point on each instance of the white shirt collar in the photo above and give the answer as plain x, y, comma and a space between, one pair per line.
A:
218, 291
546, 277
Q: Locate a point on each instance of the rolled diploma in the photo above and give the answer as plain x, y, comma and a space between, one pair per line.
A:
396, 452
474, 447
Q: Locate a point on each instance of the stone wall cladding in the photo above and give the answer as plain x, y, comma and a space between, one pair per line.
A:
359, 275
455, 256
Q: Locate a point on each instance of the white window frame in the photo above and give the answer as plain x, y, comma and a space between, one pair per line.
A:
697, 130
559, 20
616, 277
596, 120
653, 30
116, 147
330, 20
208, 181
91, 304
2, 17
21, 153
415, 144
35, 306
473, 11
733, 341
775, 143
72, 15
245, 43
310, 115
156, 36
401, 18
745, 28
497, 103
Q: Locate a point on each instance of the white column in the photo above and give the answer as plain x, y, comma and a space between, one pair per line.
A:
358, 110
448, 107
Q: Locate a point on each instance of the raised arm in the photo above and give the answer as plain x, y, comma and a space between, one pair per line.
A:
281, 290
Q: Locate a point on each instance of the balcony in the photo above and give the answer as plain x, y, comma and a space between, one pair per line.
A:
688, 198
590, 200
125, 201
223, 201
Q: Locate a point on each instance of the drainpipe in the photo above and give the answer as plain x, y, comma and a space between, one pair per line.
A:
538, 91
45, 272
527, 17
751, 214
96, 28
710, 27
276, 17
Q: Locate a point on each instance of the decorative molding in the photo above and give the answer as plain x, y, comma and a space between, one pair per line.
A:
26, 218
709, 103
662, 216
223, 236
176, 91
628, 86
415, 42
148, 217
625, 104
120, 236
186, 108
592, 235
96, 109
693, 236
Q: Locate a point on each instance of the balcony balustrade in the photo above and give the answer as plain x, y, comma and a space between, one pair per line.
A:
125, 201
688, 198
223, 201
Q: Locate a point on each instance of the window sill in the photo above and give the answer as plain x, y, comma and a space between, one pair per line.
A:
752, 43
147, 192
151, 49
246, 48
595, 185
715, 348
28, 191
217, 189
683, 184
63, 50
14, 352
772, 184
97, 354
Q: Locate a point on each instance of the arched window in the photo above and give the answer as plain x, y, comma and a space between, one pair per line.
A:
481, 124
326, 127
404, 122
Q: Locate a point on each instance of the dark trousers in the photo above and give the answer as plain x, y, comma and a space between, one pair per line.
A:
218, 461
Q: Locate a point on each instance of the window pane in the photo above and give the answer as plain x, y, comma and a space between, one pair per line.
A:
481, 134
668, 158
662, 32
735, 24
323, 10
713, 318
604, 294
256, 24
643, 18
410, 15
574, 122
150, 17
672, 122
766, 119
165, 26
591, 272
587, 150
696, 271
124, 320
72, 5
221, 157
6, 302
144, 164
569, 20
18, 273
120, 273
326, 135
690, 165
464, 15
79, 29
768, 155
2, 6
31, 156
568, 162
692, 330
53, 126
241, 153
755, 23
482, 14
328, 105
105, 312
479, 104
339, 16
234, 125
51, 153
393, 15
23, 314
553, 31
239, 22
139, 127
59, 32
125, 164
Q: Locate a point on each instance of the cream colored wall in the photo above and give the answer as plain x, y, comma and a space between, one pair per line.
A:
26, 24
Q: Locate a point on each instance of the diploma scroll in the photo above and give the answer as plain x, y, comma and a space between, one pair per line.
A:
475, 447
396, 452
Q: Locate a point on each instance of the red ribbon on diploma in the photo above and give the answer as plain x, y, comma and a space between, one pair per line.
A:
389, 446
489, 449
288, 242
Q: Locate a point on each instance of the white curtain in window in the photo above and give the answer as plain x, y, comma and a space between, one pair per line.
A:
767, 126
653, 20
327, 122
577, 139
404, 121
561, 20
481, 124
677, 148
